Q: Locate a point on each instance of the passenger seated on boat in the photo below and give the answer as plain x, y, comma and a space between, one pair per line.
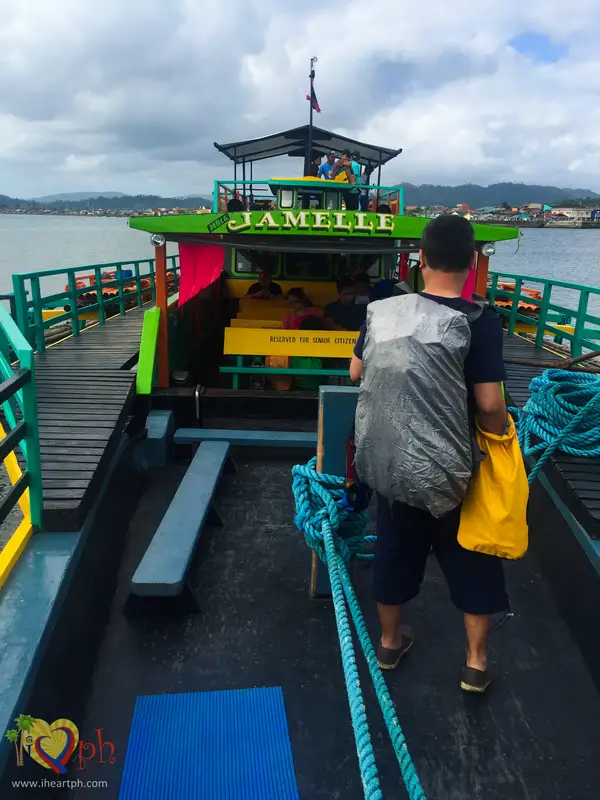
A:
362, 289
309, 383
405, 533
265, 288
344, 314
301, 308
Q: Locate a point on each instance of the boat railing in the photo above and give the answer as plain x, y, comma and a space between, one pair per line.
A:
91, 293
256, 194
19, 442
545, 310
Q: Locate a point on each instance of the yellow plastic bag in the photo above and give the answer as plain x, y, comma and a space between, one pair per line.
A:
493, 516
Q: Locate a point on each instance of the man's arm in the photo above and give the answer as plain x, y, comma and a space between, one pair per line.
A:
355, 369
490, 407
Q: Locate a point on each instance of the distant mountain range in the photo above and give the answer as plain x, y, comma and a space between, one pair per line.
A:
75, 196
515, 194
116, 202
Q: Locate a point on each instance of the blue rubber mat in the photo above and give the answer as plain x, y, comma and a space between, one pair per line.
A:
231, 745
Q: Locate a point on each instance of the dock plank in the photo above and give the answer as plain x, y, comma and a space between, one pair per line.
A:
85, 388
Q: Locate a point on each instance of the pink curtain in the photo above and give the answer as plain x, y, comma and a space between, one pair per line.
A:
200, 265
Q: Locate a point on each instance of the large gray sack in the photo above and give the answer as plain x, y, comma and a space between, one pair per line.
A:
413, 441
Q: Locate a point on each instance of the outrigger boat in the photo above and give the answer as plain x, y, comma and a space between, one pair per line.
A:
160, 610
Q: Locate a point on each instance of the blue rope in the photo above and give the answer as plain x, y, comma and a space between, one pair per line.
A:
337, 534
563, 413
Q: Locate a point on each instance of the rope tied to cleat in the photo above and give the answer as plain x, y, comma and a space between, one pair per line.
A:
563, 413
337, 533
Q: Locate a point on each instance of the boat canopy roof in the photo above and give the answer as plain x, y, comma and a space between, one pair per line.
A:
294, 143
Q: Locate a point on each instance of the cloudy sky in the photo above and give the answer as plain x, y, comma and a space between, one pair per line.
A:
130, 96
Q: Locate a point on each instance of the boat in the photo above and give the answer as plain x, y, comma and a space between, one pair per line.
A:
164, 629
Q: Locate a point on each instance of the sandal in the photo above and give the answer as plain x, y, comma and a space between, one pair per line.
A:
475, 680
388, 658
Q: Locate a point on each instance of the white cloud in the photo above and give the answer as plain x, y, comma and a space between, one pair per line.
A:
130, 97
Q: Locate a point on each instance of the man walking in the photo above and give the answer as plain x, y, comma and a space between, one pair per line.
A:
431, 365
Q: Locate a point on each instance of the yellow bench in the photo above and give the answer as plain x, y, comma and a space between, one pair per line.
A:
264, 312
263, 342
255, 323
318, 291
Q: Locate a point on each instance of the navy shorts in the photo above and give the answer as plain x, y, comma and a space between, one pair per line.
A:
405, 536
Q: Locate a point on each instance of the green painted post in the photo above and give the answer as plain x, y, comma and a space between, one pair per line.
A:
138, 287
493, 290
401, 190
22, 317
119, 274
38, 319
99, 298
32, 437
539, 337
148, 345
515, 305
239, 360
73, 301
24, 353
580, 323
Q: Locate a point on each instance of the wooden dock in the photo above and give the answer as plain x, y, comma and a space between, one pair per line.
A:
85, 390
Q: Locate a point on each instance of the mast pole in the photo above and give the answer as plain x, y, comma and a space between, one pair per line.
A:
313, 61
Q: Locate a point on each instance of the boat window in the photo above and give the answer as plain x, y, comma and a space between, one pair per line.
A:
251, 262
315, 266
286, 198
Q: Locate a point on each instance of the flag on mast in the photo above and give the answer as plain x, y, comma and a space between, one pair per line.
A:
312, 97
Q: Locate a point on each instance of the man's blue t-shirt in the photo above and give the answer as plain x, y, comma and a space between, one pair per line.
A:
325, 170
485, 360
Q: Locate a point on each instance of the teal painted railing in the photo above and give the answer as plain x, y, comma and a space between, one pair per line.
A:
96, 292
226, 190
550, 313
19, 421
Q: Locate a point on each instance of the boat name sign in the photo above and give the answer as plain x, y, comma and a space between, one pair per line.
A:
312, 221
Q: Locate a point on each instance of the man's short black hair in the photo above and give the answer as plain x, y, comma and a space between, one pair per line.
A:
346, 153
362, 277
344, 283
313, 324
448, 243
356, 155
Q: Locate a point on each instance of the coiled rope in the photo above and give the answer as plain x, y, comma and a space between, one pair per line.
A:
336, 534
562, 413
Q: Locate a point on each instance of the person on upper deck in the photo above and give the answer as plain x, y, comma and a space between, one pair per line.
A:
301, 309
314, 166
406, 533
326, 167
342, 169
265, 288
344, 314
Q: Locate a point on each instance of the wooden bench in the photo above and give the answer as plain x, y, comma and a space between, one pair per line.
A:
163, 569
245, 437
